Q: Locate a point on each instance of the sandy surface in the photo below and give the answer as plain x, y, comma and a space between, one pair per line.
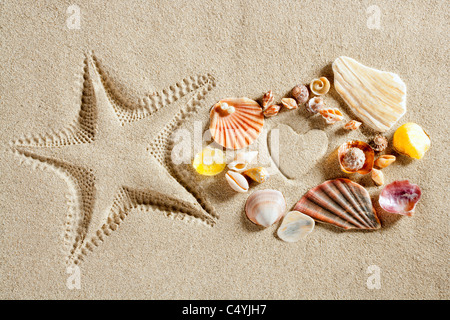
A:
248, 47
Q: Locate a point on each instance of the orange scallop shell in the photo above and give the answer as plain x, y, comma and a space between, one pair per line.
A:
239, 129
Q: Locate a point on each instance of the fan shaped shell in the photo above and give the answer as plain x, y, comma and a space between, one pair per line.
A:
340, 202
237, 129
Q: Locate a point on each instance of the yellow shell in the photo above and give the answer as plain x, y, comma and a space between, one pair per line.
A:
258, 174
209, 162
236, 122
410, 139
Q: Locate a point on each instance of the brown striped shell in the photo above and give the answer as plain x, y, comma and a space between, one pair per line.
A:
340, 202
240, 127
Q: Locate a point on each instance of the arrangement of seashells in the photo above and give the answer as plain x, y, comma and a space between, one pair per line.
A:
377, 98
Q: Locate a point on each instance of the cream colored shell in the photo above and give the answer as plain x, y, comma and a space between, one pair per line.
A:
376, 97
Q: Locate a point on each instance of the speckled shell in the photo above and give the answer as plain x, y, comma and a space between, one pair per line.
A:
368, 152
400, 197
240, 128
265, 207
340, 202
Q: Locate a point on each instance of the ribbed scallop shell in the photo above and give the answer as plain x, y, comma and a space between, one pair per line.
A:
240, 128
340, 202
377, 97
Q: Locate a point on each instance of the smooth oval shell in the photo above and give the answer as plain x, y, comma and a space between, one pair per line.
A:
400, 197
368, 152
295, 226
237, 181
265, 207
240, 128
258, 174
340, 202
376, 97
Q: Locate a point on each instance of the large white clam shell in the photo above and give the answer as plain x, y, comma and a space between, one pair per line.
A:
295, 226
377, 97
265, 207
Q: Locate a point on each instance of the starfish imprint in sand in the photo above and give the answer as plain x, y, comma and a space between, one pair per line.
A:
114, 163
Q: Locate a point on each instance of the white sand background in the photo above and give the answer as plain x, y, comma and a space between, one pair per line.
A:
249, 47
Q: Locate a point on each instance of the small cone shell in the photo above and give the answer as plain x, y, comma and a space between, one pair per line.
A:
384, 161
258, 174
377, 177
289, 103
237, 181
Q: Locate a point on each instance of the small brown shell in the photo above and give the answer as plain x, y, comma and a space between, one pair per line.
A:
289, 103
384, 161
320, 86
377, 177
331, 115
272, 110
379, 143
300, 93
352, 125
315, 104
267, 99
369, 155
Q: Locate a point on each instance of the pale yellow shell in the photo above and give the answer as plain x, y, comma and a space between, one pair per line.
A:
376, 97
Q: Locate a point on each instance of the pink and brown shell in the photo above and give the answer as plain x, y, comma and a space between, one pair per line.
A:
400, 197
340, 202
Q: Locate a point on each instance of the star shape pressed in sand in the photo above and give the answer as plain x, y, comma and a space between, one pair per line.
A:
113, 163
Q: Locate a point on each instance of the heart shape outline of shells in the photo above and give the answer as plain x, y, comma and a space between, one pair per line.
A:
296, 154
